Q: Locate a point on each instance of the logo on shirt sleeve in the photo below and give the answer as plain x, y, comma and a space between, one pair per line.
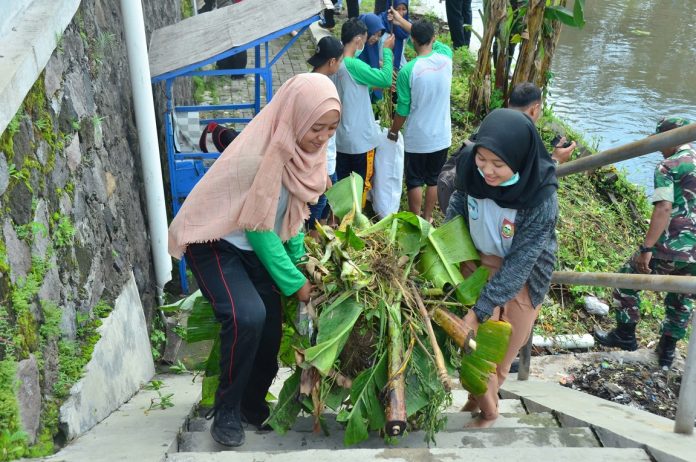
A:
508, 230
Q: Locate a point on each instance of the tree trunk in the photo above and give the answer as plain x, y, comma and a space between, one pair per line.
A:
479, 85
527, 65
549, 42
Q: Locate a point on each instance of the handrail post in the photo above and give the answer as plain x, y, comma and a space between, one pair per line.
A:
525, 358
686, 407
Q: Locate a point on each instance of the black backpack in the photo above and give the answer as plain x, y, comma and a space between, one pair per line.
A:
221, 136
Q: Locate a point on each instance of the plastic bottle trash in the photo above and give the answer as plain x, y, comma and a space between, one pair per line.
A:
567, 342
593, 305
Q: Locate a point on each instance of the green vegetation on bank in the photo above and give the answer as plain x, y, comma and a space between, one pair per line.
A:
603, 217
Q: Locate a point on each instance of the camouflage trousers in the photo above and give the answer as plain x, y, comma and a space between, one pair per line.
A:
677, 306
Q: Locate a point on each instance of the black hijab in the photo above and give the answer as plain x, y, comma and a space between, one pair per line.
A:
512, 136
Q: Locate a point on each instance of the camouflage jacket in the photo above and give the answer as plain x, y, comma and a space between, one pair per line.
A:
675, 182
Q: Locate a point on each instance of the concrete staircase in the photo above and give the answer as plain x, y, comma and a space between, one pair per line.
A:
517, 435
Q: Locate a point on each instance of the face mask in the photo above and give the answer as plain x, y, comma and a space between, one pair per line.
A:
513, 179
357, 52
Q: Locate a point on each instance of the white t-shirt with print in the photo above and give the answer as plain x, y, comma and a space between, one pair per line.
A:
492, 227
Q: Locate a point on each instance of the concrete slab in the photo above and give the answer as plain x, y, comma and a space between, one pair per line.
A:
121, 363
481, 438
433, 455
134, 434
628, 426
505, 406
26, 47
455, 422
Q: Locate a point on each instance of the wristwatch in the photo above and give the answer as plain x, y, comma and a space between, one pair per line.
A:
644, 249
393, 135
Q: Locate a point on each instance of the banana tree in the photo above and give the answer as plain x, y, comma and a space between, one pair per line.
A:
534, 25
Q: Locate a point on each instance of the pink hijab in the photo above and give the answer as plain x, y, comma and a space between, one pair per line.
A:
242, 188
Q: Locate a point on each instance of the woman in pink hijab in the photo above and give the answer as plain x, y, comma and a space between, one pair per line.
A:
240, 232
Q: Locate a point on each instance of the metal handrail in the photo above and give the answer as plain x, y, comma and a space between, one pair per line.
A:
653, 143
686, 407
654, 282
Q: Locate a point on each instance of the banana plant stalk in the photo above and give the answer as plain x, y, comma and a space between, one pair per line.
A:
439, 358
454, 326
396, 386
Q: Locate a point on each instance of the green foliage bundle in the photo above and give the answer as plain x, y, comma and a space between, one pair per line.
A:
364, 346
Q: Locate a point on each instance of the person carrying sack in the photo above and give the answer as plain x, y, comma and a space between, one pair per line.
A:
240, 232
357, 134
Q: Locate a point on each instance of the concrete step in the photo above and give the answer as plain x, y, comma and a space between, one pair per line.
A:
465, 438
455, 422
424, 454
505, 406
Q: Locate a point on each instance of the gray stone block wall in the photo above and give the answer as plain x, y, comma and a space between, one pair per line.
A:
73, 225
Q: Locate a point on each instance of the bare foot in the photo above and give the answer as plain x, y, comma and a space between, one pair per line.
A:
481, 422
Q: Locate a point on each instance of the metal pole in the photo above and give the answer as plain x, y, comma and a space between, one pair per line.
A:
654, 282
686, 408
525, 358
144, 108
654, 143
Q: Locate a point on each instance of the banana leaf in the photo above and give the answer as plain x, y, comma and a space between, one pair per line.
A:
411, 231
367, 412
185, 304
209, 387
439, 260
468, 291
201, 324
454, 242
350, 238
285, 412
346, 195
335, 325
421, 382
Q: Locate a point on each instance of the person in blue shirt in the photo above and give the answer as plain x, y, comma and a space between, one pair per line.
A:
375, 29
401, 34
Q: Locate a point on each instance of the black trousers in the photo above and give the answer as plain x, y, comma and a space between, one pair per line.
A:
329, 20
353, 8
247, 305
459, 14
348, 163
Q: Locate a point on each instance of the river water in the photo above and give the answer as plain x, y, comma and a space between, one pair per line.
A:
632, 63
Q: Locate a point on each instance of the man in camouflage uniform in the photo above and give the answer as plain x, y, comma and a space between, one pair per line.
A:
669, 249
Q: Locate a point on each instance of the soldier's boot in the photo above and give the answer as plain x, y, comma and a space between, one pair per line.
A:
665, 351
624, 337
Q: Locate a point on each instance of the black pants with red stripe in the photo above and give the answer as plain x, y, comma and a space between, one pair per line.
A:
247, 304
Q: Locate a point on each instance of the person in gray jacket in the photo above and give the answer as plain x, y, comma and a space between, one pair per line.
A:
506, 191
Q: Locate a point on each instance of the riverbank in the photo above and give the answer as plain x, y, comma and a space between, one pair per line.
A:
603, 218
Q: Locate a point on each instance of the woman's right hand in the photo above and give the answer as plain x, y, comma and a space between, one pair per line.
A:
394, 16
472, 322
304, 294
